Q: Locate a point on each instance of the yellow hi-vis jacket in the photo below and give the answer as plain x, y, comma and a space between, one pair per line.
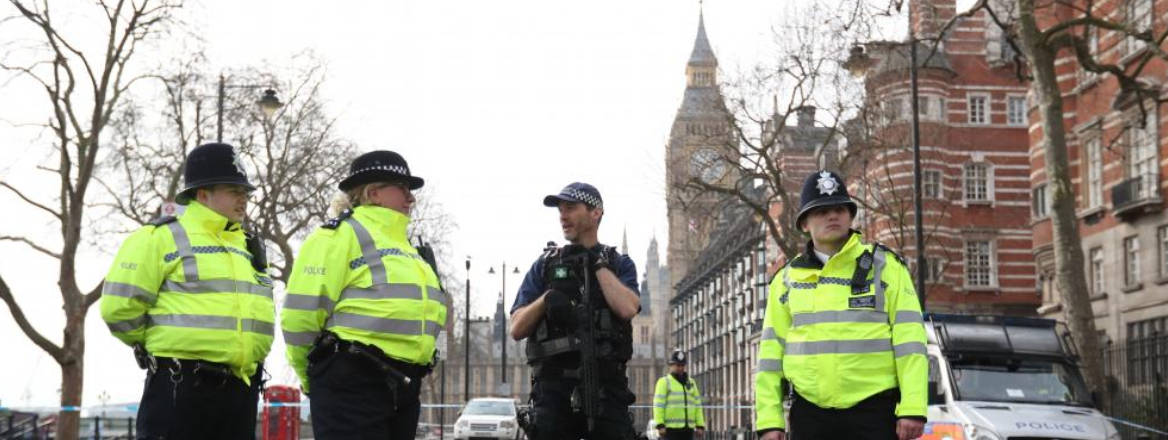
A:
187, 290
838, 347
677, 406
359, 277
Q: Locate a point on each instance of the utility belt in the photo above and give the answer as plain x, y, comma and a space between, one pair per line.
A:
879, 400
147, 361
396, 372
560, 369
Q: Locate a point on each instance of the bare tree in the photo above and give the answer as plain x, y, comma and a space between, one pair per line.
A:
82, 87
1041, 33
765, 158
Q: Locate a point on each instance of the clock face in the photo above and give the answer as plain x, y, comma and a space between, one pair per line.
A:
707, 165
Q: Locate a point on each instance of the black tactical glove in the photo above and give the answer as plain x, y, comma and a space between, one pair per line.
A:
558, 309
604, 257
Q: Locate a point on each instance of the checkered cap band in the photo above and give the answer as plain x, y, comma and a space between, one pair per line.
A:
391, 168
583, 196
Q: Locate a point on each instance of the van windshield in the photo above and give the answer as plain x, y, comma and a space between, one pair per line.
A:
1019, 380
489, 408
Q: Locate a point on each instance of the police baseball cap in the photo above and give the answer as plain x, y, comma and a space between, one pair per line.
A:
576, 192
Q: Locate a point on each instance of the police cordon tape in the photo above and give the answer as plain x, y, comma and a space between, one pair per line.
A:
134, 407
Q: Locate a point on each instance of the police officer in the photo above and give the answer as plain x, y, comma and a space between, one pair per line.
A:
363, 309
843, 326
677, 403
192, 296
554, 321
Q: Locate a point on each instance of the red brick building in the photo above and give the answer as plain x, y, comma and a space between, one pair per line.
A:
1117, 160
976, 171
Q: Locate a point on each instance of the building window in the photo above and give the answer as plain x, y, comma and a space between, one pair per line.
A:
979, 264
1095, 259
935, 270
977, 177
1039, 202
1016, 110
1142, 161
1162, 242
644, 334
1094, 191
1131, 261
1147, 350
1138, 15
931, 184
979, 109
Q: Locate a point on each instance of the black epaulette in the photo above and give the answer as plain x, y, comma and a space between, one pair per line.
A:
162, 220
894, 254
335, 222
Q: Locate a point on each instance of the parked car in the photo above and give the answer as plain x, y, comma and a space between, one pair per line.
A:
488, 418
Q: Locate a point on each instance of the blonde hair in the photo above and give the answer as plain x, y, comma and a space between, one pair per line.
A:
354, 197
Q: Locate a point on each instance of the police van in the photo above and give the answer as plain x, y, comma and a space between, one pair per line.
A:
1007, 378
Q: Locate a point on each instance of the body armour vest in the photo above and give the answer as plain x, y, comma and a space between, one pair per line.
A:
576, 315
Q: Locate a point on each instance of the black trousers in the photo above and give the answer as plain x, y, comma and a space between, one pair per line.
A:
555, 420
351, 399
185, 404
679, 434
873, 418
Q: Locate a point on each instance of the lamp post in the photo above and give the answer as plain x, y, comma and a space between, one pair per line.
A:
916, 143
466, 338
503, 297
858, 63
269, 103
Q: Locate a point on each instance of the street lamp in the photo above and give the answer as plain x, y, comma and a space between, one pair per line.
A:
503, 297
858, 63
269, 103
466, 338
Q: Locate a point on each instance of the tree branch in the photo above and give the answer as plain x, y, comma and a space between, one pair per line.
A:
48, 346
31, 244
55, 214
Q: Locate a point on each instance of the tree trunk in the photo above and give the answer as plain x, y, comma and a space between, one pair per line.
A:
72, 381
1068, 251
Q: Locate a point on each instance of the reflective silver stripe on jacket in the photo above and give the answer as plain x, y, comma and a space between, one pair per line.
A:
908, 348
856, 346
300, 338
832, 316
296, 301
215, 322
183, 245
217, 286
876, 279
129, 324
408, 327
770, 365
126, 290
369, 251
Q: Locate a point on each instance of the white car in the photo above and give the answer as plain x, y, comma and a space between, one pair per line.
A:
488, 418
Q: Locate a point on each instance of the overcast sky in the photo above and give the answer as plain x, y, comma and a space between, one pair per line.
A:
495, 104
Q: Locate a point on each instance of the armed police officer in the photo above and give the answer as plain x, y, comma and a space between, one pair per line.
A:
677, 403
364, 308
191, 295
574, 308
843, 326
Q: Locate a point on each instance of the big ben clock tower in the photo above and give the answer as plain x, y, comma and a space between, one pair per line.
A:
700, 143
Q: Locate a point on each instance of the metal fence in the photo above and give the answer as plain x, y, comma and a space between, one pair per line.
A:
1137, 385
28, 426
